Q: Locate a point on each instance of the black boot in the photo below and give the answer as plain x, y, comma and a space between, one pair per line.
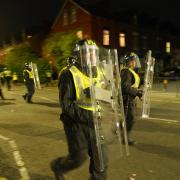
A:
29, 99
24, 96
57, 173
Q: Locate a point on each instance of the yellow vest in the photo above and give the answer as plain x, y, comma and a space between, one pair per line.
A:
31, 76
7, 73
136, 77
15, 77
48, 74
82, 82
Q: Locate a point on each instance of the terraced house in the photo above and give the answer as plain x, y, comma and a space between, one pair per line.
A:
109, 30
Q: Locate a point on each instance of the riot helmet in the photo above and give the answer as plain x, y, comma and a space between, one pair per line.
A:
131, 59
27, 66
71, 60
87, 54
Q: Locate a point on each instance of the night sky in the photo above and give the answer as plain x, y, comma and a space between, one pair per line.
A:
16, 15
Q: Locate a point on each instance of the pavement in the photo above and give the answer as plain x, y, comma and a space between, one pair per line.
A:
31, 135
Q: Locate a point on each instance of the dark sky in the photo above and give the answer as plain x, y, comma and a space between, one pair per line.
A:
16, 15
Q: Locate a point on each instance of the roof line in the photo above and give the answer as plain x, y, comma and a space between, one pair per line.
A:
61, 10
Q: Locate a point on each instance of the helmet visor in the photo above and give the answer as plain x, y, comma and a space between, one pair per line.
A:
133, 60
88, 55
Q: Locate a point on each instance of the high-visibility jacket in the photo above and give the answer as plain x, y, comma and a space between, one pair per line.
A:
136, 78
15, 77
30, 73
48, 74
7, 73
82, 82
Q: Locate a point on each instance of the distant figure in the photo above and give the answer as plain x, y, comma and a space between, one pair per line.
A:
54, 75
48, 78
1, 93
8, 78
2, 78
29, 83
14, 78
130, 82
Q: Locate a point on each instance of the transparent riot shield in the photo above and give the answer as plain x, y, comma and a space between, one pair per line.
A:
109, 129
148, 82
36, 75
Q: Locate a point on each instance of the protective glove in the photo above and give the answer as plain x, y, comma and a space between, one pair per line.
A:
87, 92
140, 93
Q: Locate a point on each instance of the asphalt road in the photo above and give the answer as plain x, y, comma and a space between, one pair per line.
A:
31, 135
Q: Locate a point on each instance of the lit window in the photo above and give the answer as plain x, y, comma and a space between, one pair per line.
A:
122, 40
168, 47
73, 15
65, 18
106, 37
79, 34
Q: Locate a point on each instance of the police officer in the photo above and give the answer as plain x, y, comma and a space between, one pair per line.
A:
1, 92
77, 116
29, 83
15, 78
8, 77
130, 82
48, 77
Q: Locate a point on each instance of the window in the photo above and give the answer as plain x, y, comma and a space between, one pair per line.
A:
122, 40
105, 37
168, 47
65, 18
79, 34
73, 15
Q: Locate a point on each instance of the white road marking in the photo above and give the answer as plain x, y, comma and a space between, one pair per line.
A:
45, 98
165, 120
17, 157
176, 102
41, 97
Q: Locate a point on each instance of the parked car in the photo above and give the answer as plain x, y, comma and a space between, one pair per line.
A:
170, 73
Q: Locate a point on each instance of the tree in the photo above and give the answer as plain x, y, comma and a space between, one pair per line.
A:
18, 55
59, 46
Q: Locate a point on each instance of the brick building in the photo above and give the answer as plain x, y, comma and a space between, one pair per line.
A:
109, 32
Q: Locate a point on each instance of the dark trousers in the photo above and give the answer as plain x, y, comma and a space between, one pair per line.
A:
130, 113
1, 94
30, 90
8, 82
81, 141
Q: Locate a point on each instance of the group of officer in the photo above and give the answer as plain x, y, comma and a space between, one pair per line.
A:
78, 114
78, 108
7, 76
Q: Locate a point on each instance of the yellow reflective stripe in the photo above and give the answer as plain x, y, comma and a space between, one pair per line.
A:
86, 108
31, 76
7, 73
61, 71
77, 80
15, 77
82, 82
136, 77
85, 105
